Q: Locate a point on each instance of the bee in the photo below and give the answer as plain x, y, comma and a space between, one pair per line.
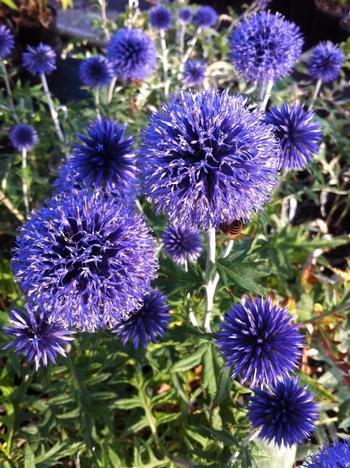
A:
233, 230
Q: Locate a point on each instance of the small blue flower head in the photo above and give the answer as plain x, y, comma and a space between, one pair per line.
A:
132, 54
105, 159
148, 324
285, 414
208, 159
194, 72
265, 47
39, 60
7, 41
35, 337
258, 340
182, 244
88, 260
298, 134
337, 456
96, 72
185, 15
161, 18
205, 17
325, 62
23, 137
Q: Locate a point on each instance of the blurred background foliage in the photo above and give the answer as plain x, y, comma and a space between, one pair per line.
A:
175, 405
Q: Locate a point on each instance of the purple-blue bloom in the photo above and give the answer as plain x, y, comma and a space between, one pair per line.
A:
182, 244
205, 17
132, 54
265, 47
7, 41
88, 260
148, 324
185, 15
39, 60
23, 137
208, 159
285, 414
258, 340
337, 456
96, 72
161, 18
104, 159
298, 134
34, 337
325, 62
194, 72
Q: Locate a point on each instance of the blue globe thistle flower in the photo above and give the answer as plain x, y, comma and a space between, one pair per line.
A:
182, 244
88, 260
194, 72
325, 62
337, 456
205, 17
161, 18
35, 337
39, 60
185, 15
265, 47
207, 159
286, 414
23, 137
259, 341
7, 41
132, 54
96, 72
105, 159
298, 133
148, 324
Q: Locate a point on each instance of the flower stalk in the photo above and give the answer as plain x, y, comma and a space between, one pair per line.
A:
165, 62
8, 90
315, 93
25, 188
210, 280
266, 94
53, 111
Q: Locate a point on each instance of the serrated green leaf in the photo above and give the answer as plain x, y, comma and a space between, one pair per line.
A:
191, 361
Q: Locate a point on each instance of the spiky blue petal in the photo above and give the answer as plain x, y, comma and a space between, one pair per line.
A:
337, 456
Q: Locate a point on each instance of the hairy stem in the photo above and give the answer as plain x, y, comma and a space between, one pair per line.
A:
111, 90
97, 102
210, 282
104, 20
25, 188
165, 62
8, 203
191, 47
53, 111
8, 90
316, 93
267, 95
182, 39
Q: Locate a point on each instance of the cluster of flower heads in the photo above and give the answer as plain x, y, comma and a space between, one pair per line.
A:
298, 134
86, 259
23, 137
336, 456
148, 324
104, 159
325, 62
182, 244
7, 42
265, 47
208, 159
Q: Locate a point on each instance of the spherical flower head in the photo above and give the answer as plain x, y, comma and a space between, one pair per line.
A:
105, 159
7, 41
182, 244
285, 414
194, 72
160, 18
325, 62
148, 324
39, 60
89, 260
96, 72
185, 15
207, 159
34, 337
257, 339
265, 47
23, 137
337, 456
205, 17
132, 54
298, 133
